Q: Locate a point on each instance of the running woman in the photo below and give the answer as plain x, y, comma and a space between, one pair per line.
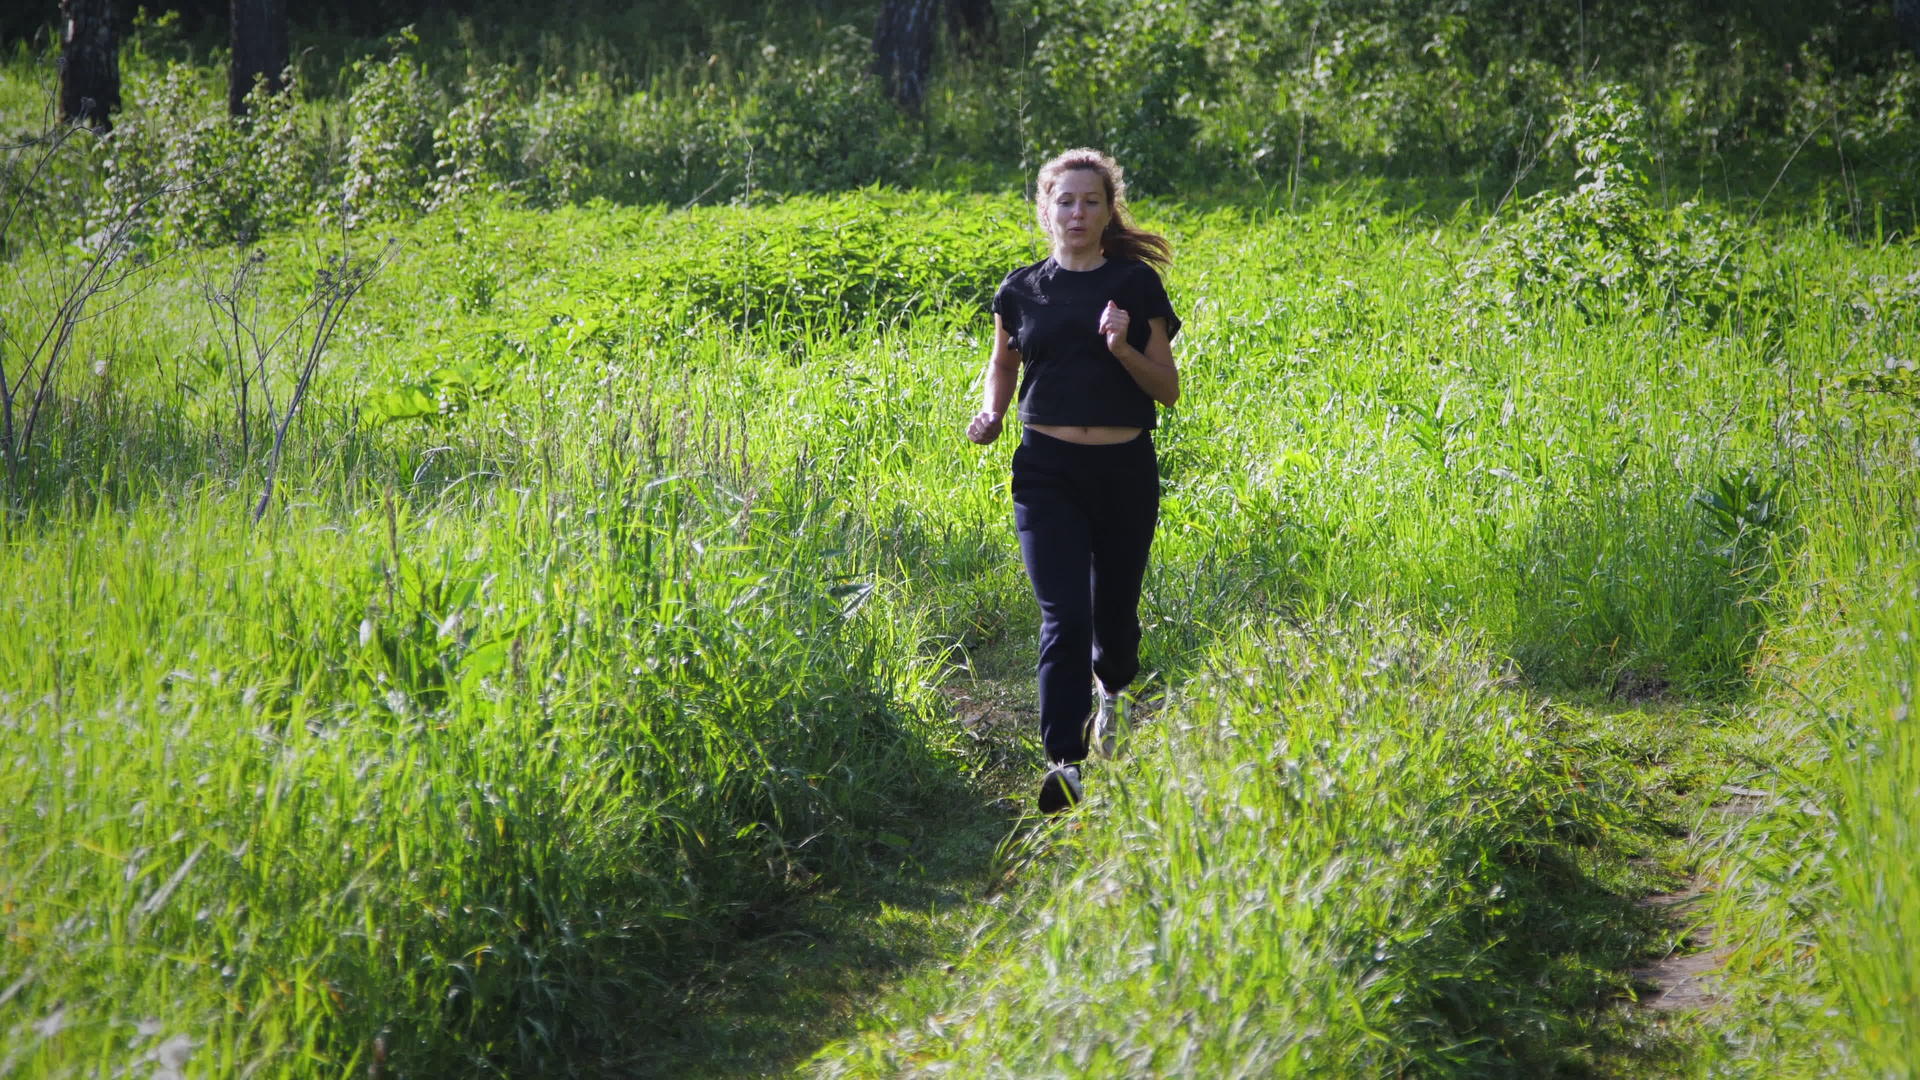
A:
1086, 334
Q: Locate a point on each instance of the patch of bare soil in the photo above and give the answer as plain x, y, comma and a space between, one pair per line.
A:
1684, 979
1639, 687
994, 714
1687, 978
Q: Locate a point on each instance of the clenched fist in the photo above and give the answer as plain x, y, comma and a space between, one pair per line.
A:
984, 427
1114, 323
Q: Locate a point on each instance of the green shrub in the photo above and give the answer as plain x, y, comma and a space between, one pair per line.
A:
681, 145
820, 121
1119, 76
1604, 246
390, 134
213, 178
473, 145
825, 263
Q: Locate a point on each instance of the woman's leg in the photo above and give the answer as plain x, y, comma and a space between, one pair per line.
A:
1056, 544
1122, 537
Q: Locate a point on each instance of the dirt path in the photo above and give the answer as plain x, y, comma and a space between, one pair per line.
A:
1689, 979
802, 973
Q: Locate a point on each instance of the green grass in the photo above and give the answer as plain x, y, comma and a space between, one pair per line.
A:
511, 724
1354, 850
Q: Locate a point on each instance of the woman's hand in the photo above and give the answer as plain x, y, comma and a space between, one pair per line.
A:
1152, 368
984, 427
1114, 322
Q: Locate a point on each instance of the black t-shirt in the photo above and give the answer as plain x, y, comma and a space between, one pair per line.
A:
1052, 315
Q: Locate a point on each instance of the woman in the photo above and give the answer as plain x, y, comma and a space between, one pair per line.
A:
1087, 333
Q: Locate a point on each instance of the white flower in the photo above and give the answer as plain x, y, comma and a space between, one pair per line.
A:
170, 1058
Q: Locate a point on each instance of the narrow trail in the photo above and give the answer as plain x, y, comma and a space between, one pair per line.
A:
1690, 978
802, 973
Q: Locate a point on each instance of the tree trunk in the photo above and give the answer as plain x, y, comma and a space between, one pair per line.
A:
258, 35
971, 24
89, 63
903, 49
1906, 23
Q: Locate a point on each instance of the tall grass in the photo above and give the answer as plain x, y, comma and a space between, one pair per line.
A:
1349, 852
1824, 879
508, 707
427, 767
1871, 941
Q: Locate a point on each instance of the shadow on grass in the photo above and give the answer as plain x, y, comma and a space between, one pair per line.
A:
1547, 992
1869, 202
790, 975
113, 449
1561, 923
787, 975
1643, 593
108, 447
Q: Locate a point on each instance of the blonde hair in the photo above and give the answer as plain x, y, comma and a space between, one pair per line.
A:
1120, 240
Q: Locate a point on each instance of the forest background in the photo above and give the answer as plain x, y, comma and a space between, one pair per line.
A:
494, 584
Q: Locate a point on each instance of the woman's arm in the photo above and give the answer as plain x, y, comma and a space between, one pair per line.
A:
1152, 369
1002, 376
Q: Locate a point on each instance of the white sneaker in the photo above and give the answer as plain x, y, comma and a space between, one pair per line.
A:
1104, 738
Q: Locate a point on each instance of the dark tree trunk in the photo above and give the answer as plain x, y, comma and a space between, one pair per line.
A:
971, 23
903, 49
1906, 23
89, 63
258, 34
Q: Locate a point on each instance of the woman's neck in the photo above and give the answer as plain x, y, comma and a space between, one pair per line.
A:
1079, 260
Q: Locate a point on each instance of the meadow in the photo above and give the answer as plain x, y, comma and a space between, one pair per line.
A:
624, 619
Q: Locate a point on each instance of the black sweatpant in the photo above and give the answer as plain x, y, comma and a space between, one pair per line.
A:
1085, 515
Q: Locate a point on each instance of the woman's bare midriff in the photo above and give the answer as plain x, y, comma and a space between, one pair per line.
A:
1096, 435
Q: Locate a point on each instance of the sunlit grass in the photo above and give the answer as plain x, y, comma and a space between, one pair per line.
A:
499, 713
1352, 850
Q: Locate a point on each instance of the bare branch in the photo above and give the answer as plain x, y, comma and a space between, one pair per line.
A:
336, 287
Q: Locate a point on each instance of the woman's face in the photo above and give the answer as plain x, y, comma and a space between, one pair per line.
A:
1079, 212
